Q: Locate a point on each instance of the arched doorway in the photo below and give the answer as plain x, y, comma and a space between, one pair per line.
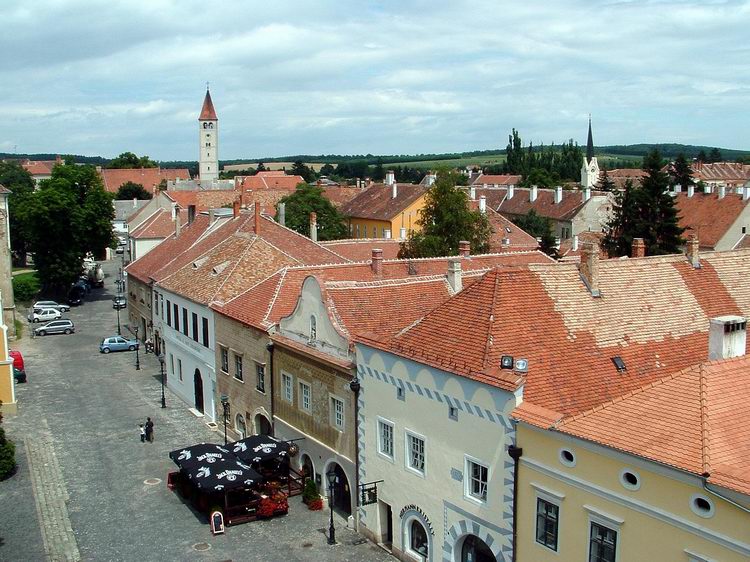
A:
475, 549
239, 426
262, 425
342, 499
417, 542
198, 380
306, 467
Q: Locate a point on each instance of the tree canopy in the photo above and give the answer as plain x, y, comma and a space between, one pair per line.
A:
539, 227
300, 169
681, 173
309, 198
69, 216
132, 190
21, 184
645, 211
445, 220
561, 162
605, 182
130, 160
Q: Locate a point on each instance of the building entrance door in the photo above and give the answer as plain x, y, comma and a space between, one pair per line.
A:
198, 391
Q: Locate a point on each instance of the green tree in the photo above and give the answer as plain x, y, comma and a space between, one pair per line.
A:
378, 174
646, 211
130, 160
7, 453
70, 215
309, 198
606, 183
702, 157
327, 170
539, 177
715, 156
299, 169
681, 173
132, 190
261, 168
541, 228
21, 184
445, 220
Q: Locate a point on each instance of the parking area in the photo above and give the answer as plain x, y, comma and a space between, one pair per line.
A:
87, 488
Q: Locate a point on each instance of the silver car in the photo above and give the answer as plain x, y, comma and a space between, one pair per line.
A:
55, 327
52, 304
44, 315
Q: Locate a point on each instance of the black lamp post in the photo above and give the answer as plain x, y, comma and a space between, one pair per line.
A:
117, 308
225, 406
161, 366
137, 345
331, 477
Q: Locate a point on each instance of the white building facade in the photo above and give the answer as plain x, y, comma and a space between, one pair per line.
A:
208, 137
437, 446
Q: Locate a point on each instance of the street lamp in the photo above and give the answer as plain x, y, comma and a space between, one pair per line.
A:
137, 345
331, 477
117, 308
225, 406
161, 365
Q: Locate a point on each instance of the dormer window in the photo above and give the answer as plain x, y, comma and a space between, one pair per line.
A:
313, 328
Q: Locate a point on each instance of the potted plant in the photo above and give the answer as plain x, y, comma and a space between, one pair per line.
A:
310, 491
316, 504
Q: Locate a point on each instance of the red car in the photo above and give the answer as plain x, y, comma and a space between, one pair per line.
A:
19, 369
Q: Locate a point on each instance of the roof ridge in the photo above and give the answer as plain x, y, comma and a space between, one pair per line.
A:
342, 284
491, 320
272, 300
705, 430
236, 264
300, 235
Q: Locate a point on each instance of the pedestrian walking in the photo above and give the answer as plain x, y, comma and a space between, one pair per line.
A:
143, 433
149, 430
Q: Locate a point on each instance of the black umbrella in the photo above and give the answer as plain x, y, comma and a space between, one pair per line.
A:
223, 475
259, 448
201, 454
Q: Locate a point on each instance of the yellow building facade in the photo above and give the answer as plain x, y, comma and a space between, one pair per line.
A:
406, 219
574, 495
7, 383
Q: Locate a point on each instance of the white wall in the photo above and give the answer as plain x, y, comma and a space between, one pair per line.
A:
482, 431
193, 355
139, 247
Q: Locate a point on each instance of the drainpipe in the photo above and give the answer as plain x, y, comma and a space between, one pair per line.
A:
355, 387
269, 347
515, 453
704, 478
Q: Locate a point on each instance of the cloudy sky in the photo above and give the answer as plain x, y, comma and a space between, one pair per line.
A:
102, 77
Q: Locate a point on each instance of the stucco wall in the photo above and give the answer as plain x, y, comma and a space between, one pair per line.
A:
734, 233
657, 522
594, 214
139, 307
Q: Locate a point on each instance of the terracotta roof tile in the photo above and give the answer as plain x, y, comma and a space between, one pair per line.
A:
208, 113
377, 201
731, 173
203, 199
544, 205
490, 179
360, 249
272, 181
707, 216
149, 178
340, 195
158, 225
506, 236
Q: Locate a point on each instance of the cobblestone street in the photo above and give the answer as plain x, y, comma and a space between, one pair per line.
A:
80, 491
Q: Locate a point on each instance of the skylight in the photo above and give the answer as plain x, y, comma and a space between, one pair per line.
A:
619, 364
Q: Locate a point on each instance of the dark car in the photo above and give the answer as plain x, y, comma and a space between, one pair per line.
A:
19, 375
75, 295
119, 302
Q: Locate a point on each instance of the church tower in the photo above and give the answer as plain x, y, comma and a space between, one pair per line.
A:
590, 168
208, 134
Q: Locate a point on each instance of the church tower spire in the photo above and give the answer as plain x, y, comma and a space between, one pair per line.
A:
590, 168
208, 137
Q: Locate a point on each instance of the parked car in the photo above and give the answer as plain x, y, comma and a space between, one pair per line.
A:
119, 302
19, 369
55, 327
52, 304
117, 343
44, 314
120, 250
75, 295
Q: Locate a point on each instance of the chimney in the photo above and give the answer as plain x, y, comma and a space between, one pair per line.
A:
386, 233
727, 336
532, 193
574, 247
678, 188
511, 191
258, 210
707, 188
722, 191
745, 193
638, 248
211, 216
692, 251
377, 262
191, 214
558, 194
402, 233
430, 179
282, 214
177, 225
390, 177
485, 186
464, 248
482, 204
589, 267
236, 209
472, 193
691, 190
586, 194
135, 202
174, 210
394, 190
454, 275
313, 227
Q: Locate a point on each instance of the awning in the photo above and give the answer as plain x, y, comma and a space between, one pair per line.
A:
259, 448
214, 468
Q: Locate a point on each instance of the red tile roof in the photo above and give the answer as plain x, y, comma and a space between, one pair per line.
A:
567, 252
158, 225
731, 173
149, 178
40, 167
278, 181
360, 249
490, 179
340, 195
377, 201
203, 199
520, 204
208, 113
506, 236
653, 313
707, 216
696, 420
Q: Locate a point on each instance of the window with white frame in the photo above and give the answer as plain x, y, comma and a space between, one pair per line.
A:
602, 543
286, 385
477, 475
225, 360
547, 523
385, 438
337, 413
415, 452
304, 396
